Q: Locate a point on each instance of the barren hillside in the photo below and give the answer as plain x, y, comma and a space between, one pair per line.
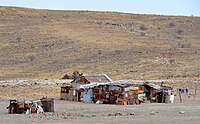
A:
46, 44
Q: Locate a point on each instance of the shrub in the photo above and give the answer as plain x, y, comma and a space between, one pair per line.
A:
179, 31
143, 27
171, 25
18, 39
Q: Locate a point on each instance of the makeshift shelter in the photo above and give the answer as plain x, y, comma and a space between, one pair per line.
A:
99, 88
157, 93
67, 91
151, 91
74, 90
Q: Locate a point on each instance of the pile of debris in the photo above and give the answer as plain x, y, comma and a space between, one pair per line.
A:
34, 106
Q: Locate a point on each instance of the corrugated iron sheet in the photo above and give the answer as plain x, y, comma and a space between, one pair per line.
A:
99, 78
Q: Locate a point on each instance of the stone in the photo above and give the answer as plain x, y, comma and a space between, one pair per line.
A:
182, 112
152, 113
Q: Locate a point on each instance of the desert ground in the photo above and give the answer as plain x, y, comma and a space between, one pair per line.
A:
77, 112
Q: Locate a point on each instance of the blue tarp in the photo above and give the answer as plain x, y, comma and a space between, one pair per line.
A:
86, 98
142, 95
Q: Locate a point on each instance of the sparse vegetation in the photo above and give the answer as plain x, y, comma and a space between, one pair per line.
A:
46, 44
143, 27
171, 25
18, 39
179, 31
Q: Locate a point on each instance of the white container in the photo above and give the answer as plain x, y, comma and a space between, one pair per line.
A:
171, 99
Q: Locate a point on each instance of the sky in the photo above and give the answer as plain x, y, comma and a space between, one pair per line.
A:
158, 7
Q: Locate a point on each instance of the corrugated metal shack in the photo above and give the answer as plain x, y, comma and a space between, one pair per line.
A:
100, 89
67, 90
158, 93
71, 89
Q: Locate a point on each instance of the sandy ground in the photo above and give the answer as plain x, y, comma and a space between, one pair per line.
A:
77, 112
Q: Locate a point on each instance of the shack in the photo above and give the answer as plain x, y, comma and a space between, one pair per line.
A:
157, 93
66, 92
74, 89
99, 88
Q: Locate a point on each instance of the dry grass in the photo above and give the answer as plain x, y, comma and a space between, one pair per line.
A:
29, 91
47, 44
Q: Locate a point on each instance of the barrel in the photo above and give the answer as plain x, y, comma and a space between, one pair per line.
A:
48, 104
167, 98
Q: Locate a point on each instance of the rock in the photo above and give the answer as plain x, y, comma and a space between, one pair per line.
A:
131, 113
152, 113
182, 112
116, 114
65, 117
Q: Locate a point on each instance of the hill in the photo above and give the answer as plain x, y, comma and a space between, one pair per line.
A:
46, 44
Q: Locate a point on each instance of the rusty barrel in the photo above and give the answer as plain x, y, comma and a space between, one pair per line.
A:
48, 104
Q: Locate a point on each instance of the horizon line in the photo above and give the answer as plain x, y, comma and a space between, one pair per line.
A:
91, 10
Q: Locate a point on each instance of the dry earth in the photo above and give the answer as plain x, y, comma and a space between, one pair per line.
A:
74, 112
46, 44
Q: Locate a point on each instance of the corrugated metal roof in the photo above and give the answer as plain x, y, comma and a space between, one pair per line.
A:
155, 86
65, 83
97, 78
85, 86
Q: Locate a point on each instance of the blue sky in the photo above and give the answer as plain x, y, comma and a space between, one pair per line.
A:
161, 7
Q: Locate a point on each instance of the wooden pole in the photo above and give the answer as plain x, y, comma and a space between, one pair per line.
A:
195, 92
180, 97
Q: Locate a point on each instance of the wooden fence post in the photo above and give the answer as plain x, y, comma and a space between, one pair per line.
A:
195, 92
180, 97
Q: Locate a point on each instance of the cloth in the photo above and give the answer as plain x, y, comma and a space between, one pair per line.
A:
40, 109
